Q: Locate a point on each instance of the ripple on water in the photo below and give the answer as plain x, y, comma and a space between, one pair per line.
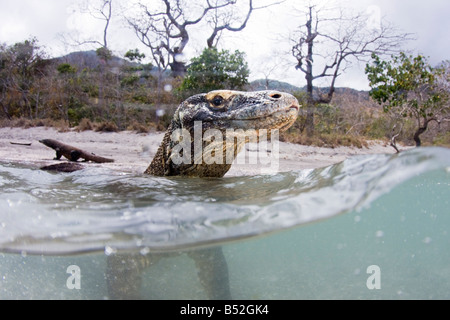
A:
94, 209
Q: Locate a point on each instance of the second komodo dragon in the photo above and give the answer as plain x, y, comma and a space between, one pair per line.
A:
72, 153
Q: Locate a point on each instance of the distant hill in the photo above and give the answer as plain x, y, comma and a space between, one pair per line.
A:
343, 97
263, 84
269, 84
90, 59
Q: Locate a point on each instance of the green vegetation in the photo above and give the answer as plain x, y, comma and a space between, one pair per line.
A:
90, 85
214, 70
97, 91
134, 55
408, 87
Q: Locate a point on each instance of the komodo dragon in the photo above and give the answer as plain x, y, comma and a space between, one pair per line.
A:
72, 153
220, 110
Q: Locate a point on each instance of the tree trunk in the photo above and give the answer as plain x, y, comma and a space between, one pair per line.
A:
421, 130
309, 125
311, 104
417, 134
310, 108
178, 68
5, 110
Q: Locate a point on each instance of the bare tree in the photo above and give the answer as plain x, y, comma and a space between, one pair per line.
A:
228, 20
164, 28
341, 39
101, 10
266, 66
106, 15
222, 20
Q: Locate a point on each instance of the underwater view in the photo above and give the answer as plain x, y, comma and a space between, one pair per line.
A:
371, 227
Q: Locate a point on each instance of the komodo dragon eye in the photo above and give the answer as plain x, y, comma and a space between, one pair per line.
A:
217, 101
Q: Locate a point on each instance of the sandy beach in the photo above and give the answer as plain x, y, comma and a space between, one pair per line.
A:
132, 152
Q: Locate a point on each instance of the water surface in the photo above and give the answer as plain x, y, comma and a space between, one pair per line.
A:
305, 234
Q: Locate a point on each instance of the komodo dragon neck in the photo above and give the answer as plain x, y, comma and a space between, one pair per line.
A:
220, 111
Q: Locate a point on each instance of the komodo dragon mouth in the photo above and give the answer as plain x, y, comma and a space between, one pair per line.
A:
221, 110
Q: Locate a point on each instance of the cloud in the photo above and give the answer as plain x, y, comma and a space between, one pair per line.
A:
263, 37
44, 19
427, 20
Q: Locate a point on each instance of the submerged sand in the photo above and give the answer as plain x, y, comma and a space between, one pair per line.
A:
132, 152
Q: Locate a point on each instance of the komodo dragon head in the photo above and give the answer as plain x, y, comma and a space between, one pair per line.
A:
218, 124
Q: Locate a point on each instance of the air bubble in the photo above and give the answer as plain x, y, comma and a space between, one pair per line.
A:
379, 234
168, 87
109, 250
180, 58
427, 240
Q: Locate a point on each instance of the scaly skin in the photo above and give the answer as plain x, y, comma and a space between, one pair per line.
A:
72, 153
222, 110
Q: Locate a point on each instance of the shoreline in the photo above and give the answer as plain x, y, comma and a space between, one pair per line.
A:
133, 152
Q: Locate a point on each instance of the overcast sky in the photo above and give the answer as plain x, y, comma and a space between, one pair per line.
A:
264, 40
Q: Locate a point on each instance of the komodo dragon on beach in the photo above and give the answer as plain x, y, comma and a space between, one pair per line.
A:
221, 111
72, 153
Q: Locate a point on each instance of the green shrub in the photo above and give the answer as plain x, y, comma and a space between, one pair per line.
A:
214, 70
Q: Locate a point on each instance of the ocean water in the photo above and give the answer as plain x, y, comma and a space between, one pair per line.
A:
371, 227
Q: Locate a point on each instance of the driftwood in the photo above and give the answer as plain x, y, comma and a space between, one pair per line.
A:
392, 142
20, 143
72, 153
